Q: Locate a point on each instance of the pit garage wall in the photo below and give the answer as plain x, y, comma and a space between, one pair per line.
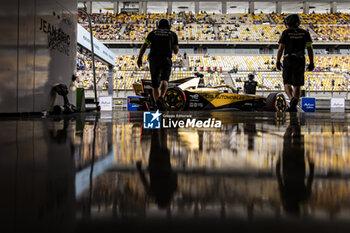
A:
32, 57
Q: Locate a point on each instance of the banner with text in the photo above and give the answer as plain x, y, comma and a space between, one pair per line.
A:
337, 105
100, 49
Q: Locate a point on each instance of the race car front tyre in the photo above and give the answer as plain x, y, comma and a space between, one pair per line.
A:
276, 102
174, 99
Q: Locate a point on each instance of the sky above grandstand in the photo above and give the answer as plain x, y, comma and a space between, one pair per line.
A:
232, 7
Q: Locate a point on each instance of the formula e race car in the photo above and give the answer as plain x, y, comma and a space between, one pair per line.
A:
191, 94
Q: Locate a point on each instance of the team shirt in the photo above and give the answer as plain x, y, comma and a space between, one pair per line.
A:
295, 40
250, 87
162, 42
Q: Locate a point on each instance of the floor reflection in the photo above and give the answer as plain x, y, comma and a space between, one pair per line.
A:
293, 188
256, 166
37, 175
162, 180
64, 174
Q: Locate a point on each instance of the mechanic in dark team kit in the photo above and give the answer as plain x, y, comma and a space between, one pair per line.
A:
250, 85
163, 43
293, 42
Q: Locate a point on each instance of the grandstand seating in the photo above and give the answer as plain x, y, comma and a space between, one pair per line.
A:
314, 81
125, 72
125, 79
328, 74
332, 32
240, 18
322, 81
109, 18
128, 62
85, 74
328, 68
265, 62
315, 18
332, 63
272, 80
185, 18
136, 32
202, 27
194, 32
106, 31
228, 63
250, 32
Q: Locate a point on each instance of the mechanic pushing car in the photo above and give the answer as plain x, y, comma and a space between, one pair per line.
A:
250, 85
163, 43
293, 42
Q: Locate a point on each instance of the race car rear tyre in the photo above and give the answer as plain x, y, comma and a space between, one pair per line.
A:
276, 102
174, 99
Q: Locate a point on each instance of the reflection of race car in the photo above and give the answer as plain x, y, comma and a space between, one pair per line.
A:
191, 94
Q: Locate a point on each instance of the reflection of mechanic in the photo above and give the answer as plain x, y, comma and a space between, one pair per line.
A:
251, 132
60, 135
163, 181
163, 42
293, 42
291, 182
250, 85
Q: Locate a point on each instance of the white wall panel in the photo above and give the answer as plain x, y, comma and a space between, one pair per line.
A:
54, 56
32, 58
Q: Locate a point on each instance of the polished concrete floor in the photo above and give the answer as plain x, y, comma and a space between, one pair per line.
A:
257, 172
